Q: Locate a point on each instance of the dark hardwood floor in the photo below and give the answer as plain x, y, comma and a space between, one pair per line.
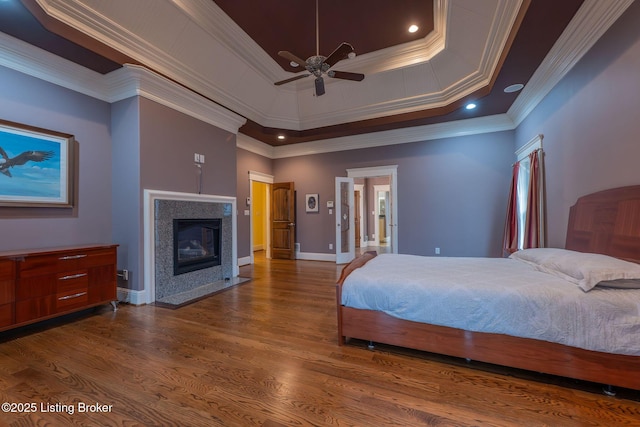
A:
265, 353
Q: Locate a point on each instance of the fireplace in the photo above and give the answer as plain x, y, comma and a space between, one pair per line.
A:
196, 244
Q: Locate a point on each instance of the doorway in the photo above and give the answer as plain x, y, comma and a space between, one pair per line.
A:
259, 212
381, 175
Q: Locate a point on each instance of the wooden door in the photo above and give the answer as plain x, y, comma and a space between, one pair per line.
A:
283, 221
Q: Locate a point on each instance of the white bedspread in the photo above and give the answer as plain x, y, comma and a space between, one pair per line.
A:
497, 295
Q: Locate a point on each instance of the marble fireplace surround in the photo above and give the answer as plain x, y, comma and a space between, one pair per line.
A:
153, 272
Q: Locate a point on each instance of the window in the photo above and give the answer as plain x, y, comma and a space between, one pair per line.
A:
525, 217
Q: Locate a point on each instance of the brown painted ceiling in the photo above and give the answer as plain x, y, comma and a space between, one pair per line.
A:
369, 25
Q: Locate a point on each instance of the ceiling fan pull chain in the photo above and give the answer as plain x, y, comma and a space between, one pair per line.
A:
317, 29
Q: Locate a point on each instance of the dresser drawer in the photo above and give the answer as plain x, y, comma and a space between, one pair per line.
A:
43, 283
37, 265
71, 299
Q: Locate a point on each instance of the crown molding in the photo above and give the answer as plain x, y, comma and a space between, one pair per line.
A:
496, 123
134, 80
591, 21
248, 143
259, 71
30, 60
589, 24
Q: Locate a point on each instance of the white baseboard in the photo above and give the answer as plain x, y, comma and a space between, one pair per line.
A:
310, 256
244, 261
131, 296
258, 248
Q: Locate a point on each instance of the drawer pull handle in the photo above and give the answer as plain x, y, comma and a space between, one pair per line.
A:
73, 276
63, 258
79, 294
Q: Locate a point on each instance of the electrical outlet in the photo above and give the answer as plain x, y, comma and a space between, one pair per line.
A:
437, 251
330, 246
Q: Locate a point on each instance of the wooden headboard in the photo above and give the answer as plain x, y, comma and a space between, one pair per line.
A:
607, 222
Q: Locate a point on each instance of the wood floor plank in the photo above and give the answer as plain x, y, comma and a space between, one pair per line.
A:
265, 353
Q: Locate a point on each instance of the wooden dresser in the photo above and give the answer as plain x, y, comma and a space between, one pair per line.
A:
41, 284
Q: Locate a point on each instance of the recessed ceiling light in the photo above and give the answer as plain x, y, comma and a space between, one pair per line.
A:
281, 137
294, 64
413, 28
470, 106
351, 55
513, 88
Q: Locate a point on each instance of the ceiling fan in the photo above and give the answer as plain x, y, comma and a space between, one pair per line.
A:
319, 65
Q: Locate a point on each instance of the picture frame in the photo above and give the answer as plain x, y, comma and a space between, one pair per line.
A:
36, 166
312, 203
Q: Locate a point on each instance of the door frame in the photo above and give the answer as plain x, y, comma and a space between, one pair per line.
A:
349, 255
267, 179
392, 172
363, 214
376, 189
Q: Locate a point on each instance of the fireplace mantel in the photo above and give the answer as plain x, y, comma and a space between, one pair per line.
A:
150, 198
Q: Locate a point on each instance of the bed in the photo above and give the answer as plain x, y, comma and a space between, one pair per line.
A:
603, 226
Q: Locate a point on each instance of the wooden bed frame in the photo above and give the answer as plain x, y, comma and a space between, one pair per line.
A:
606, 222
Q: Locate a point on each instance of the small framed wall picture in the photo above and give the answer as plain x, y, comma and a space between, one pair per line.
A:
312, 203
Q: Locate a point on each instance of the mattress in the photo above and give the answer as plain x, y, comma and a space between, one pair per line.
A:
497, 295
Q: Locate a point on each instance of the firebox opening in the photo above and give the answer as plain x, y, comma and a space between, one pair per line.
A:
196, 244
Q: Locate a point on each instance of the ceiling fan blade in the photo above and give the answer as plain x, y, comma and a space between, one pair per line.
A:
281, 82
291, 57
346, 75
340, 53
319, 86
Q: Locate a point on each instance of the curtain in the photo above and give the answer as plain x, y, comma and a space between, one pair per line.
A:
534, 224
525, 223
510, 242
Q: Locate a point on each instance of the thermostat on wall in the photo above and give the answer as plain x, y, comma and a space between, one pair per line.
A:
330, 203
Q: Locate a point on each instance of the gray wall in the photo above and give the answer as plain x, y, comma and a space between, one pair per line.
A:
156, 147
451, 192
127, 206
591, 123
33, 102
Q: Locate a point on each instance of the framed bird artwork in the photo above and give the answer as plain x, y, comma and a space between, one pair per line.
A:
36, 166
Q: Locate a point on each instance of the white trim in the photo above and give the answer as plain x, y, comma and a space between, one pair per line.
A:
311, 256
134, 80
534, 144
266, 179
150, 196
261, 177
363, 213
392, 172
246, 260
590, 22
475, 126
376, 207
131, 296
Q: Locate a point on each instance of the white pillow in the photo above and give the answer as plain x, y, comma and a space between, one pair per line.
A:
584, 269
